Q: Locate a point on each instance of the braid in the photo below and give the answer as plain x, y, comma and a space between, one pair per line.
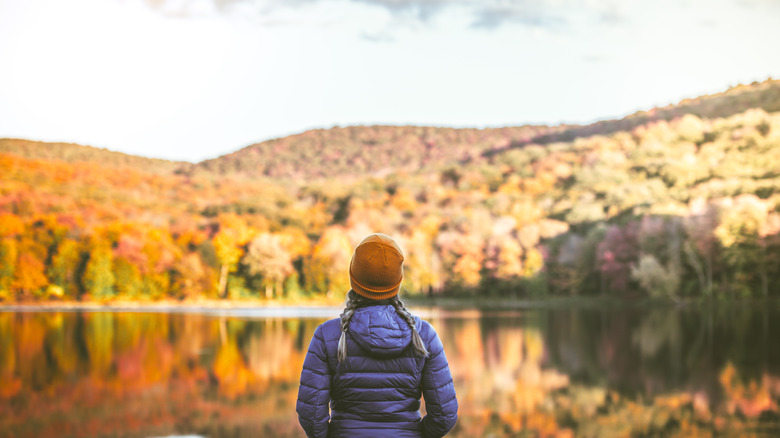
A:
353, 302
417, 342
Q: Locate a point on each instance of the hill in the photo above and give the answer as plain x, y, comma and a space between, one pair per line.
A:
353, 152
358, 151
681, 201
74, 153
379, 150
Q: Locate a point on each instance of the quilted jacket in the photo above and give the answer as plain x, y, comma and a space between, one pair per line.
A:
376, 391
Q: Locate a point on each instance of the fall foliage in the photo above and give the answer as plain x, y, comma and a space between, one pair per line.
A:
676, 202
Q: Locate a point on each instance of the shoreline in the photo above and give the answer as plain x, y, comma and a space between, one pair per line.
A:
428, 305
209, 308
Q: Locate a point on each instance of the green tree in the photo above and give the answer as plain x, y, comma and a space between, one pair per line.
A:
657, 280
63, 268
98, 278
128, 282
743, 249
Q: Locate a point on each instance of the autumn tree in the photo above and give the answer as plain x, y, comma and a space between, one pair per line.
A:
128, 261
327, 268
10, 227
422, 266
233, 234
8, 256
463, 255
699, 247
30, 277
267, 258
98, 279
739, 231
63, 269
160, 254
616, 254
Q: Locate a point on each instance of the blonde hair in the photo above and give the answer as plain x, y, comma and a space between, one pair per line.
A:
355, 301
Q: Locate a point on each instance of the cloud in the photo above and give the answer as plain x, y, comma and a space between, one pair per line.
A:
377, 37
490, 14
422, 10
524, 14
264, 9
484, 14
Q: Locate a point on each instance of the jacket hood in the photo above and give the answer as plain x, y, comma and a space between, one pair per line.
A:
380, 330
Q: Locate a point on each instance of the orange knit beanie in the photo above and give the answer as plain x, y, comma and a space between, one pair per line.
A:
376, 269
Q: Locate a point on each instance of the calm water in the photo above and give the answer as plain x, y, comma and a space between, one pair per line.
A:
542, 372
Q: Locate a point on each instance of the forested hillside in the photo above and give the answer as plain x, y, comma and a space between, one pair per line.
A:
682, 201
73, 153
358, 151
347, 152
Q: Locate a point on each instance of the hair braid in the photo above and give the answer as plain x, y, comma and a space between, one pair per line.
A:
353, 302
417, 342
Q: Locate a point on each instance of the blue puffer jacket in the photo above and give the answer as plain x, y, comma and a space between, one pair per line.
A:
376, 391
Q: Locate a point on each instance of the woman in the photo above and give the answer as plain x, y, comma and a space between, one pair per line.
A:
373, 363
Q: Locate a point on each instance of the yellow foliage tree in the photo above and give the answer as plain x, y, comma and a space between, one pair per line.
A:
327, 268
8, 256
229, 241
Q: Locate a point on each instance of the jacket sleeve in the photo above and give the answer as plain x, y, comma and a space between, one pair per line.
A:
441, 404
314, 390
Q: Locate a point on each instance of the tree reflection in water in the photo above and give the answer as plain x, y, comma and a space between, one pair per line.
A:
545, 372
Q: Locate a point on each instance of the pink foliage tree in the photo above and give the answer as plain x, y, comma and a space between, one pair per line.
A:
616, 254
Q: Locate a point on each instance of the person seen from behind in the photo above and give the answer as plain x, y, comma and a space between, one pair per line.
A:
364, 373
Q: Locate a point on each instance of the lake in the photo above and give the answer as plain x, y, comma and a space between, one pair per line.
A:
616, 370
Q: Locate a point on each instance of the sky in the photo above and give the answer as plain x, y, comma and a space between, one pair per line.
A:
195, 79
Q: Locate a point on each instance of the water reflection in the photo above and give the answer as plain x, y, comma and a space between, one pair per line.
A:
546, 372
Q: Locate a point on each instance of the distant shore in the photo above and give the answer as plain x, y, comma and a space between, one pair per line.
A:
324, 307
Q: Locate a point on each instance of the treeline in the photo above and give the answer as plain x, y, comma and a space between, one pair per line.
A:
685, 208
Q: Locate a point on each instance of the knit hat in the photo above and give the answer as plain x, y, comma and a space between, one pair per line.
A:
376, 269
